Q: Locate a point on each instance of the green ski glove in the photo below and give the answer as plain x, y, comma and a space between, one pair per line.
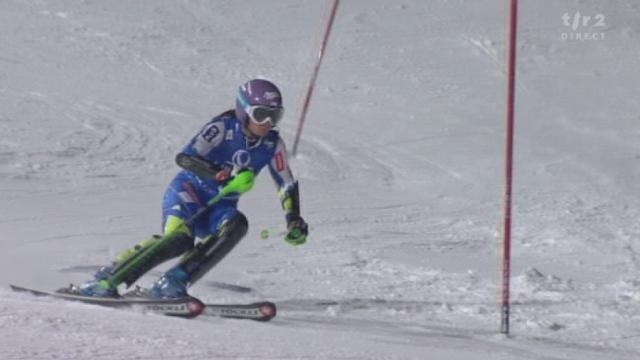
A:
240, 183
298, 230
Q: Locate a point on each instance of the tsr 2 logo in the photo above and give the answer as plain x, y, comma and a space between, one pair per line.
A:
585, 27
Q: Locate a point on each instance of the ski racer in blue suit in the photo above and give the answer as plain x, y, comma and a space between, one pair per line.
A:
233, 144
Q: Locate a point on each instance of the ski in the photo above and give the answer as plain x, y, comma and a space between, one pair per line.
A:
188, 307
260, 311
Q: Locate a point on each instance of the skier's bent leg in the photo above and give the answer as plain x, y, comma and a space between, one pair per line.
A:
215, 247
202, 258
134, 262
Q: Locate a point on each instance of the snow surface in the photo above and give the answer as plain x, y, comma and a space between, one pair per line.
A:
400, 166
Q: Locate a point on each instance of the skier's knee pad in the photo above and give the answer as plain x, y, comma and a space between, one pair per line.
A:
175, 224
215, 247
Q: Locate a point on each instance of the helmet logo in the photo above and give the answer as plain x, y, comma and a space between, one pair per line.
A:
271, 95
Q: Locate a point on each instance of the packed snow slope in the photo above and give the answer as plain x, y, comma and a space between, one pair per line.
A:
400, 167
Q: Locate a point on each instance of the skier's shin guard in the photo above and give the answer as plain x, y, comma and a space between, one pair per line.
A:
214, 248
129, 270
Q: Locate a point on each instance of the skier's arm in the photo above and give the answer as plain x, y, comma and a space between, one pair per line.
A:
201, 167
194, 156
289, 193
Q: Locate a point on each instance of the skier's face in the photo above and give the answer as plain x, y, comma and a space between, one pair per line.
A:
258, 130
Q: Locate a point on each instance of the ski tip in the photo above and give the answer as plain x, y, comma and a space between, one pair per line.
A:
19, 288
195, 306
23, 289
268, 310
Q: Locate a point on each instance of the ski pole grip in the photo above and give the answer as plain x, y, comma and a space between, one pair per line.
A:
241, 183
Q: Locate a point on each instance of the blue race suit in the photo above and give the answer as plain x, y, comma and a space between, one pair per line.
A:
223, 143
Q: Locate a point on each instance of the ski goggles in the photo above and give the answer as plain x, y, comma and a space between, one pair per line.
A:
261, 114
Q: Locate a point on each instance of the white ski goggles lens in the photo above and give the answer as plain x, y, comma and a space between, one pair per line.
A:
262, 115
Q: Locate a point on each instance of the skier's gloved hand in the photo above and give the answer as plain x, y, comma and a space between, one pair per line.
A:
297, 230
241, 183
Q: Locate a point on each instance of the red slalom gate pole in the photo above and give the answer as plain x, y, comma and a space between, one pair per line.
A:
511, 78
314, 76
